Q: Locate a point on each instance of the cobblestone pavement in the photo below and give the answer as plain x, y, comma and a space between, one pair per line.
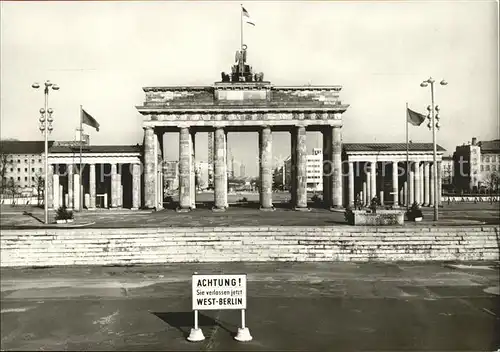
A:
243, 215
291, 307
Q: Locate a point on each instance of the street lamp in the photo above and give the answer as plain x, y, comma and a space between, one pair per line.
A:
433, 125
46, 128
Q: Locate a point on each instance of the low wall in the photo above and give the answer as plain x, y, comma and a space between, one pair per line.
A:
470, 199
53, 247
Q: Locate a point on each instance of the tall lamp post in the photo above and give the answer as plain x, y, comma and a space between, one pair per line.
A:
433, 125
46, 128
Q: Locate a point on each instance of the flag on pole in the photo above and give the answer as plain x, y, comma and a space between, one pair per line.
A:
246, 17
89, 120
415, 118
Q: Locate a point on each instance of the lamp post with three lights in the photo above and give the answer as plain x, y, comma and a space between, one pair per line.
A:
433, 125
46, 127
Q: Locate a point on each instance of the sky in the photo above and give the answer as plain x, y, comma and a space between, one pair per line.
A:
101, 54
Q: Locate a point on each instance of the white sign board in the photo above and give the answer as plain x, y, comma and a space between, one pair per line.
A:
214, 292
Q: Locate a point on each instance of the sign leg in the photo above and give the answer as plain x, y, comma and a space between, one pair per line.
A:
196, 333
243, 332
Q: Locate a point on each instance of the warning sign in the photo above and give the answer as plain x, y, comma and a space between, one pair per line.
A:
214, 292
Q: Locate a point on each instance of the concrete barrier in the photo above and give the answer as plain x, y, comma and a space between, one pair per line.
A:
53, 247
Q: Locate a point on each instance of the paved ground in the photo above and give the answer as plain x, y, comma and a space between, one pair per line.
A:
239, 215
291, 306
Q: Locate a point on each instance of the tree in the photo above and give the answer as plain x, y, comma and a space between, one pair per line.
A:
5, 162
492, 182
40, 189
13, 188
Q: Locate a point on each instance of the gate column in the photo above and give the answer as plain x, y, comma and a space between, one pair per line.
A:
266, 169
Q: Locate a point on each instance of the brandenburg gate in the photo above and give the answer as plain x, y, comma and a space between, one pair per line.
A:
242, 101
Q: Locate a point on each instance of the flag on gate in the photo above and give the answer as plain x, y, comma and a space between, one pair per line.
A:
246, 16
415, 118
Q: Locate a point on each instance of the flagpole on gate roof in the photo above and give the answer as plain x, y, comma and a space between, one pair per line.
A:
241, 27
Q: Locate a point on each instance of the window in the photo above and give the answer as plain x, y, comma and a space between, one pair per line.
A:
39, 160
493, 168
40, 169
11, 178
32, 178
18, 170
25, 169
32, 169
487, 168
487, 159
482, 167
18, 161
19, 178
26, 179
494, 158
25, 161
32, 161
11, 169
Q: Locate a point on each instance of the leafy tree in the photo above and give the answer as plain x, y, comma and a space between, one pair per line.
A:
13, 189
492, 182
40, 189
5, 162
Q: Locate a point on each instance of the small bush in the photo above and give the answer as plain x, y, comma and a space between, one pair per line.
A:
64, 214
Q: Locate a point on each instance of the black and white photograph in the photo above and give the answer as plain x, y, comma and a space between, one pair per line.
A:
249, 176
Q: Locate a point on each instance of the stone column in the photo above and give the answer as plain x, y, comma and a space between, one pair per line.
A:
431, 188
421, 183
220, 175
301, 155
266, 169
92, 187
70, 171
440, 182
395, 184
76, 191
184, 170
149, 168
337, 167
119, 187
368, 179
402, 195
55, 191
351, 184
61, 195
327, 166
136, 186
365, 193
426, 184
417, 183
50, 191
411, 185
193, 170
293, 167
114, 185
373, 181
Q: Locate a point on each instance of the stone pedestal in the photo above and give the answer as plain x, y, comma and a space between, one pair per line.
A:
266, 169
